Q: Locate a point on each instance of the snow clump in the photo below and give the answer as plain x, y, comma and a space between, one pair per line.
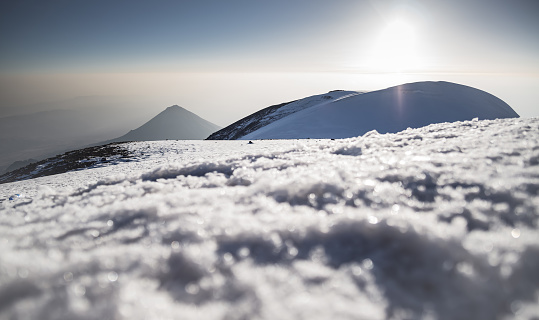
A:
439, 222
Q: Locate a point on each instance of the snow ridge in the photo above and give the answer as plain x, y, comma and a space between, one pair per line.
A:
273, 113
394, 109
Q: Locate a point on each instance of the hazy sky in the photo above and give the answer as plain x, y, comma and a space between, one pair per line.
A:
226, 59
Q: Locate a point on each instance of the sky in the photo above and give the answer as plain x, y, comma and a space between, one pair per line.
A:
226, 59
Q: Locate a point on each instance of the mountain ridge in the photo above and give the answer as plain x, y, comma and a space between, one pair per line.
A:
388, 110
271, 114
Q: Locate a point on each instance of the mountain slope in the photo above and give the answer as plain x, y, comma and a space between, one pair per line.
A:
175, 123
273, 113
91, 157
48, 133
389, 110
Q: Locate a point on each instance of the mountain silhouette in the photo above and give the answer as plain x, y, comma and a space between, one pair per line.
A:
174, 123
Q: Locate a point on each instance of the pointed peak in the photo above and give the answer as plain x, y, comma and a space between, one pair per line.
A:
174, 109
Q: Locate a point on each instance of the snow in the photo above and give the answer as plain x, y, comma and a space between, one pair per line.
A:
411, 105
438, 222
271, 114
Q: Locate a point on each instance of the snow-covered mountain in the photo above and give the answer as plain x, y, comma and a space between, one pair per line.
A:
440, 222
174, 123
273, 113
344, 114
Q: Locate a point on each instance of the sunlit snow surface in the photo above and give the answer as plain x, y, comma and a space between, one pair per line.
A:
432, 223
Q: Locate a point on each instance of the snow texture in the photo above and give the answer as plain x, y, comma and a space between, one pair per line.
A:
439, 222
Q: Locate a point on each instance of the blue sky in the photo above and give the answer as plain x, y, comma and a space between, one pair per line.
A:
85, 41
159, 35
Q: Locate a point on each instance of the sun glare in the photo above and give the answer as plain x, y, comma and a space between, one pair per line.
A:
397, 49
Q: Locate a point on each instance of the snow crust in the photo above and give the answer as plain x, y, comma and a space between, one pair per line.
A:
438, 222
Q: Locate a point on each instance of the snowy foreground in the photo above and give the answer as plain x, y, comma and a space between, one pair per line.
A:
439, 222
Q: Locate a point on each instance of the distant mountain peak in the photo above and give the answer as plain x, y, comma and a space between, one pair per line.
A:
174, 123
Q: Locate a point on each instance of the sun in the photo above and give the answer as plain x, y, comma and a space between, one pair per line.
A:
397, 49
